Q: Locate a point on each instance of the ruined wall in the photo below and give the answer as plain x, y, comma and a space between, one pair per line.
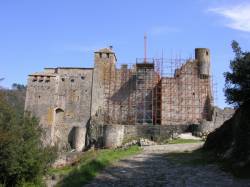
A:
61, 100
154, 132
120, 107
219, 116
114, 90
129, 95
112, 136
137, 96
187, 96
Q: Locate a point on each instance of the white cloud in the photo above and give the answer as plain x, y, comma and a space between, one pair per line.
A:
161, 30
238, 17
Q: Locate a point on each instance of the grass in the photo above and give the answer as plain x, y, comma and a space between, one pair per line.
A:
182, 141
91, 163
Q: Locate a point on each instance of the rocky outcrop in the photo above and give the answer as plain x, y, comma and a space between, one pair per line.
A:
232, 140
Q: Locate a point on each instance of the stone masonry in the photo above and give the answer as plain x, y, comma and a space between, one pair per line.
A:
69, 101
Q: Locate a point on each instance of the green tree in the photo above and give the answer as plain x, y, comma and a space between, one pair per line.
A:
237, 86
22, 156
15, 97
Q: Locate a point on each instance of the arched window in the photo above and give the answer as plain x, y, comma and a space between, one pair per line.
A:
59, 116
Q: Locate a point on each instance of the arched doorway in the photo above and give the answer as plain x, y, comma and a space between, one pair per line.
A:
59, 116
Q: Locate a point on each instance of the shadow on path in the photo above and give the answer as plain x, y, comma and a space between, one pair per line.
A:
162, 166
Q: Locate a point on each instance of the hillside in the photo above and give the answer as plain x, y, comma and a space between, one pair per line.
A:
231, 142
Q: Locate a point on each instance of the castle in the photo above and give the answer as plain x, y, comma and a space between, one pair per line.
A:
156, 94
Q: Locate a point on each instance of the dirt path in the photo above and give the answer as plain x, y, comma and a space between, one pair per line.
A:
153, 167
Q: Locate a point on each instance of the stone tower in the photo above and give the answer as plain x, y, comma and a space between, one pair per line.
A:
104, 72
202, 55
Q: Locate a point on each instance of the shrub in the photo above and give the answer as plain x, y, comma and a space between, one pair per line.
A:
22, 156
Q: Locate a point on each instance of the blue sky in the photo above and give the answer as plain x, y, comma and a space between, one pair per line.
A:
47, 33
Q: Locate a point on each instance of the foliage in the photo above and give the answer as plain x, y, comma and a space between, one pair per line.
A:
90, 164
237, 87
17, 86
231, 142
15, 97
22, 156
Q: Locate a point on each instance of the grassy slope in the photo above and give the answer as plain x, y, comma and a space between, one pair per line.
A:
91, 163
181, 141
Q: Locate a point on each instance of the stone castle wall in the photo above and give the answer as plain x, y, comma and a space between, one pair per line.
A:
61, 98
186, 97
112, 136
129, 95
219, 116
66, 99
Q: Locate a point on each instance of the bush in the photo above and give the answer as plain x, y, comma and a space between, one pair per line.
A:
22, 156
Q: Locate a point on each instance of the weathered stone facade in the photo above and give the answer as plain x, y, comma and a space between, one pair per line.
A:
61, 99
71, 101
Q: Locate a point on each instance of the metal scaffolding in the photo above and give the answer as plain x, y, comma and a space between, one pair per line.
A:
161, 91
145, 76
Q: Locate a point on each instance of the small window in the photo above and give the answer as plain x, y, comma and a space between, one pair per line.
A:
100, 55
34, 79
39, 96
82, 77
207, 53
107, 55
72, 80
63, 79
41, 79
